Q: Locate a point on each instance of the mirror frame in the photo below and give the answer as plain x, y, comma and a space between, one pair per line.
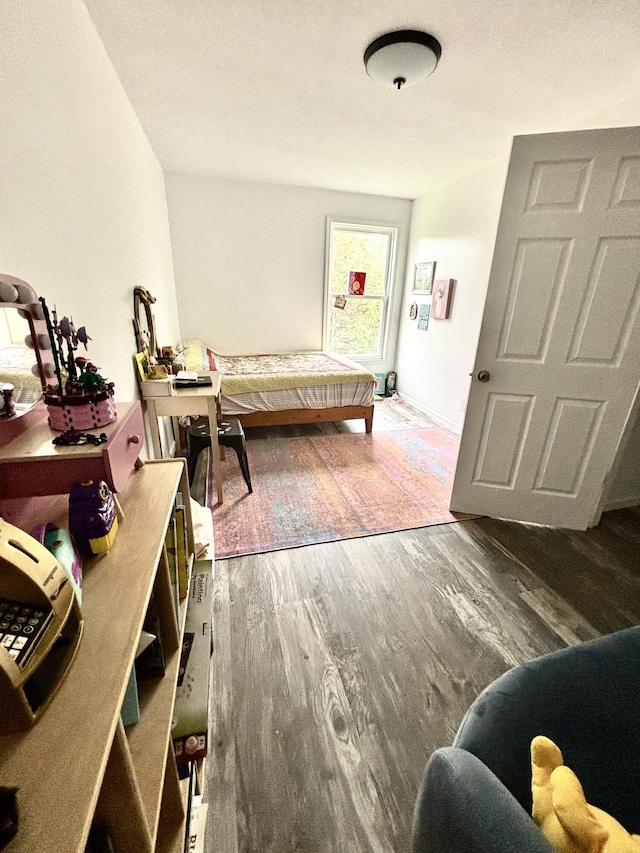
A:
143, 299
18, 294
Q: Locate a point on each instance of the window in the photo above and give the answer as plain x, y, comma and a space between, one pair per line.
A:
358, 329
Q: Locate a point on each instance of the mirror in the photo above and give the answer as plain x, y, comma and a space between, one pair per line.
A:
26, 359
143, 322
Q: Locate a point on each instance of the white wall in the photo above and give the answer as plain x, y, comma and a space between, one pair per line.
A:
83, 216
455, 226
249, 259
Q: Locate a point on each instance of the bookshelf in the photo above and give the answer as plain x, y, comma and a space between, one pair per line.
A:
79, 764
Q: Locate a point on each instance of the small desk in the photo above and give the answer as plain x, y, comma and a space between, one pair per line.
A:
189, 401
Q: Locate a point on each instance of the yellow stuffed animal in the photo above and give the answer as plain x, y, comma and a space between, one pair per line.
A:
561, 810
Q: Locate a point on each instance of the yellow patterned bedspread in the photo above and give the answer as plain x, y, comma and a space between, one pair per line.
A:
16, 363
276, 371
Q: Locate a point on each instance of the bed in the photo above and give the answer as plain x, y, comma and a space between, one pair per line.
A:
273, 389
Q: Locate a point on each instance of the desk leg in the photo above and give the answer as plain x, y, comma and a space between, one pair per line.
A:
215, 447
153, 428
219, 417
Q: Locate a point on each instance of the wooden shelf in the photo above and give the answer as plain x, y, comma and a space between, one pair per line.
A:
76, 757
171, 839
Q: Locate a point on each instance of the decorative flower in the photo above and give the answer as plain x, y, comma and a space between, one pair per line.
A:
76, 375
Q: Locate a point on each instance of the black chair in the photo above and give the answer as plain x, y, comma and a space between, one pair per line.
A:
230, 434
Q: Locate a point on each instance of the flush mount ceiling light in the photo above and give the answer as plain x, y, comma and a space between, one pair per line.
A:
402, 58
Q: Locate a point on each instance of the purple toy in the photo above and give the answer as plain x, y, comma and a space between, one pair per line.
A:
92, 516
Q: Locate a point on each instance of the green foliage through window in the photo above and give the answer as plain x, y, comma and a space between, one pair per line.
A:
353, 250
357, 329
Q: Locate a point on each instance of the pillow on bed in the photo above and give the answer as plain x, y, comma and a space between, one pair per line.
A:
198, 357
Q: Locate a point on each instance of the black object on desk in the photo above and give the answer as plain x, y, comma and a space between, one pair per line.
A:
200, 382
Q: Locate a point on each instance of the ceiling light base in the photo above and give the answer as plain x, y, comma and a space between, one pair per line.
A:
402, 58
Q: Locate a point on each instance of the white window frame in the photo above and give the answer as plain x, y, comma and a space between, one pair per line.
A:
335, 224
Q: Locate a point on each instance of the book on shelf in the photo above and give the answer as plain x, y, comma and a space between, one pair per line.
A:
130, 711
182, 558
176, 543
171, 548
150, 663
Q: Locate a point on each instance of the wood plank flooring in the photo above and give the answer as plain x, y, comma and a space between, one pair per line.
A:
338, 668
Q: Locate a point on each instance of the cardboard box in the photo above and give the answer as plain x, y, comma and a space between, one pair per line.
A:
197, 826
191, 713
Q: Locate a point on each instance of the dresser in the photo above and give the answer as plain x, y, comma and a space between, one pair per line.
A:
31, 464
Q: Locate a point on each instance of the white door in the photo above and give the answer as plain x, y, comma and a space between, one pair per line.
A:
559, 348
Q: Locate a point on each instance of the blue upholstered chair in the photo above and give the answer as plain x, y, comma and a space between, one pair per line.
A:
475, 796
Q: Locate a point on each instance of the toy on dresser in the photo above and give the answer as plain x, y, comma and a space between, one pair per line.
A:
82, 398
61, 544
93, 520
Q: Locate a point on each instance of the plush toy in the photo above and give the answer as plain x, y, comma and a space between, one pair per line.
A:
561, 810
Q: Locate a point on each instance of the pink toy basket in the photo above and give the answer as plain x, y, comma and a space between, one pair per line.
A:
86, 411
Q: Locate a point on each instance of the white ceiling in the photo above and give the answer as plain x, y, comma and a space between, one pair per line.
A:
276, 91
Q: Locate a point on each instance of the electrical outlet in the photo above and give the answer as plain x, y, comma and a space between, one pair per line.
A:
463, 405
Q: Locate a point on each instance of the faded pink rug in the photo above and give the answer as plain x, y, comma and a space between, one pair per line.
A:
324, 488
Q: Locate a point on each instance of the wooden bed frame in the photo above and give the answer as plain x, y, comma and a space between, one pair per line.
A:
307, 416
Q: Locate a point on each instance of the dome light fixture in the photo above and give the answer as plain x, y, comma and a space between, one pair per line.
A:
402, 58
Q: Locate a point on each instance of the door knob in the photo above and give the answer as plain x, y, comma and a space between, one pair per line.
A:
484, 376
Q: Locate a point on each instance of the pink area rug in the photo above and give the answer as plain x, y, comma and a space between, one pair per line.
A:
324, 488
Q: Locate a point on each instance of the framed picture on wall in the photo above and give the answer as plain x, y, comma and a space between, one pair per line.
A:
423, 277
441, 299
423, 317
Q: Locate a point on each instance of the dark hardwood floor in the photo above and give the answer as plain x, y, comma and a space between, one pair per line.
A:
339, 668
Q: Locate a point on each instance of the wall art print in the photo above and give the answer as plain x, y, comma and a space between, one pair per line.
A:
423, 316
441, 299
423, 277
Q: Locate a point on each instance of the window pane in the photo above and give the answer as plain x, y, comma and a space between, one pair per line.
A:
354, 330
359, 252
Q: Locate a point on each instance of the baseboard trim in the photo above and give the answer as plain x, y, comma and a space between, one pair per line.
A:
452, 426
622, 503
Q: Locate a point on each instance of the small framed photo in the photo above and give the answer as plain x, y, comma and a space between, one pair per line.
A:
423, 277
441, 299
381, 381
423, 316
340, 302
413, 311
